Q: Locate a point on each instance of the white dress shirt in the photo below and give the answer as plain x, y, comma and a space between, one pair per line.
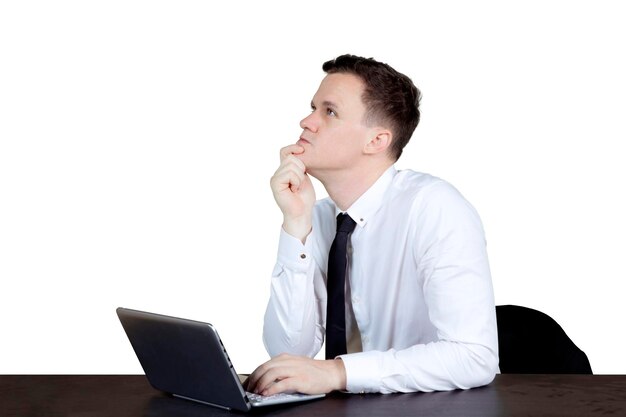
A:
419, 299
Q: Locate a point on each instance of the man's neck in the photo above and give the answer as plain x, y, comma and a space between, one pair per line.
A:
346, 186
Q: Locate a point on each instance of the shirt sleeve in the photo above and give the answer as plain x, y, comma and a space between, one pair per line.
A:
451, 262
292, 322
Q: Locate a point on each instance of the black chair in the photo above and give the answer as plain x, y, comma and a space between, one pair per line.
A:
531, 342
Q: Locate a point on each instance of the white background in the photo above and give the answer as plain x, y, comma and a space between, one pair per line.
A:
137, 139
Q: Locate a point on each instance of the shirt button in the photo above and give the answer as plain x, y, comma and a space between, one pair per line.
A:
365, 339
303, 256
355, 300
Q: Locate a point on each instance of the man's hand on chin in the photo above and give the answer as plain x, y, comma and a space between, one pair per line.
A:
288, 373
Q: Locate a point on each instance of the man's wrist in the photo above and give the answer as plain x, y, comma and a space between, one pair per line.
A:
340, 372
298, 227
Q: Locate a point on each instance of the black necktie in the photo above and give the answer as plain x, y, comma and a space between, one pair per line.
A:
335, 284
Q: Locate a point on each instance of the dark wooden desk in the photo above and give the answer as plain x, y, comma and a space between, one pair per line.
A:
131, 395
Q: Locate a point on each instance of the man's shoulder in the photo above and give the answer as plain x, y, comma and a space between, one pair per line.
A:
419, 189
408, 189
414, 182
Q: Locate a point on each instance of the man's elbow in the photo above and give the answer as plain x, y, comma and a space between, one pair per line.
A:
475, 366
275, 344
291, 343
488, 371
482, 369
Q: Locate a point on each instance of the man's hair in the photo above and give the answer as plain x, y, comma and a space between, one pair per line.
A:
390, 97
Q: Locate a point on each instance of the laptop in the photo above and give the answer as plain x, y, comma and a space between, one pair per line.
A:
187, 359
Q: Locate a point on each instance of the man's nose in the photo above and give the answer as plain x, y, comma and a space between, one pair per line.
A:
310, 122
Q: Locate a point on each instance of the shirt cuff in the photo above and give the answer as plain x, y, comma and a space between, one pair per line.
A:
363, 371
292, 253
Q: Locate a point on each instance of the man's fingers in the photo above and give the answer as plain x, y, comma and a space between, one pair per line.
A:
290, 150
253, 379
287, 179
271, 378
266, 374
287, 385
291, 159
287, 373
288, 176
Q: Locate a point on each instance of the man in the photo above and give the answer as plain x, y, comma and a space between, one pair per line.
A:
416, 302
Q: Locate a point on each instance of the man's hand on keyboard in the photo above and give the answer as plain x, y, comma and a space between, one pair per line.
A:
288, 373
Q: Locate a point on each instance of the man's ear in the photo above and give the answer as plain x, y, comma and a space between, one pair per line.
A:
379, 143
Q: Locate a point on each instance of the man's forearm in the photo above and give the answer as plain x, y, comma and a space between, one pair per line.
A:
292, 314
438, 366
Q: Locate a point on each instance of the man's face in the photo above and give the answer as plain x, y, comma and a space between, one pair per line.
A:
334, 134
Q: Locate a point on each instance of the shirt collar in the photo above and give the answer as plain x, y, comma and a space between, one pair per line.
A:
368, 204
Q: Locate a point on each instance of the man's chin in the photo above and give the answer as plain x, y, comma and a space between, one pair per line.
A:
303, 157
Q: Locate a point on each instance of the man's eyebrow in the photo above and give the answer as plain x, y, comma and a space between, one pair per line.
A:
326, 103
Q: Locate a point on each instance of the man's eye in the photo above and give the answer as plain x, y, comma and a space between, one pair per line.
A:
331, 112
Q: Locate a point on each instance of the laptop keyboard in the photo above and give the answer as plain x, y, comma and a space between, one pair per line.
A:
258, 400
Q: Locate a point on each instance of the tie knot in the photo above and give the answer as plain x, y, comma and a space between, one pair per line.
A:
345, 223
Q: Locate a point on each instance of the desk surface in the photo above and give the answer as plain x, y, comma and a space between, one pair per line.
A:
131, 395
